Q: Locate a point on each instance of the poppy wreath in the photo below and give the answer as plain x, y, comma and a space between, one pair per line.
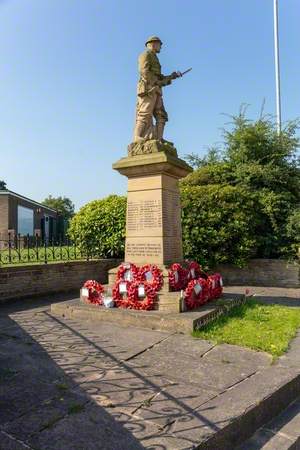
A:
157, 276
194, 299
194, 270
124, 268
95, 292
215, 285
178, 277
136, 302
121, 300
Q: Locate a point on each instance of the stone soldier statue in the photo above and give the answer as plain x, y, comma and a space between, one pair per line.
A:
150, 103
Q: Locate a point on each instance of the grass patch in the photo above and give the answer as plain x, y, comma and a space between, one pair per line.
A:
267, 328
75, 408
50, 423
62, 387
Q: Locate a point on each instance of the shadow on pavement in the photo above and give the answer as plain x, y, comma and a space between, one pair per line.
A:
60, 390
41, 405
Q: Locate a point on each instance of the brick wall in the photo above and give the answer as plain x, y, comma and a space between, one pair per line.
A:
3, 216
262, 272
33, 280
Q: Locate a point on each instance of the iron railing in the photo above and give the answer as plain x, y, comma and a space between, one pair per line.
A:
17, 249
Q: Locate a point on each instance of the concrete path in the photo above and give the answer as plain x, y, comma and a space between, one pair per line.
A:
283, 296
70, 385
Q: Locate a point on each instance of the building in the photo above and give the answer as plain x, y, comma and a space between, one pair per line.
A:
21, 216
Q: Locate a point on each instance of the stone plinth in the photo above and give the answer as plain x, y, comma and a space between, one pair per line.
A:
153, 222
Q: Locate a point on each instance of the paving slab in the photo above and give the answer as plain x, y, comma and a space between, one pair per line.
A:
8, 442
92, 428
80, 384
196, 366
273, 295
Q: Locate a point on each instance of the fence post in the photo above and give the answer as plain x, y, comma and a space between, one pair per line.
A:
60, 245
28, 252
9, 248
45, 251
37, 247
68, 248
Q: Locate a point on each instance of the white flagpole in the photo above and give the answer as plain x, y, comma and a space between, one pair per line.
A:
277, 68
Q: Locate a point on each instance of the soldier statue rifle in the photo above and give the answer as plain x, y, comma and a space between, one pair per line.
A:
150, 102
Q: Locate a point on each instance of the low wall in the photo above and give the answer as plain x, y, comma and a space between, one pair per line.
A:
34, 280
262, 272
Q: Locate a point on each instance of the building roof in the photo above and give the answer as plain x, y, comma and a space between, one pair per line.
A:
14, 194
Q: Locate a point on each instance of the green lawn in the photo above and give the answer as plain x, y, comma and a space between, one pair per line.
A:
261, 327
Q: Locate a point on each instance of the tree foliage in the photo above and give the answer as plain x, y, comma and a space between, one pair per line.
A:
216, 224
63, 205
293, 231
265, 167
2, 185
99, 226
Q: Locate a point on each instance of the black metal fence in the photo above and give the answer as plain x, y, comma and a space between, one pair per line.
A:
17, 249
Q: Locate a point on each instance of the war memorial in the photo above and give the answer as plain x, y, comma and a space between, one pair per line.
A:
119, 368
154, 274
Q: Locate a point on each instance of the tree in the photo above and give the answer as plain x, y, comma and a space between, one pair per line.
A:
214, 155
63, 205
2, 185
266, 167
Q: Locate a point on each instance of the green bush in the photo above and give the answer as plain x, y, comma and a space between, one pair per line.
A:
265, 166
293, 231
218, 224
99, 227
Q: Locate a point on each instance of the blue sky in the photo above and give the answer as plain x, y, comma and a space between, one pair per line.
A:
68, 73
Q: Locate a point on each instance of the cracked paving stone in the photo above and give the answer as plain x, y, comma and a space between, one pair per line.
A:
20, 395
44, 415
212, 375
173, 402
243, 357
9, 443
94, 426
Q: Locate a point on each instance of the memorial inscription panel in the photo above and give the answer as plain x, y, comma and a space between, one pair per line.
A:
143, 216
153, 227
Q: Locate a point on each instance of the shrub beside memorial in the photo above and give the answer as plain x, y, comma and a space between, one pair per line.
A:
218, 224
259, 169
99, 227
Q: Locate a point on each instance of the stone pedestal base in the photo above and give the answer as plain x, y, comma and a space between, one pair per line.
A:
153, 221
166, 300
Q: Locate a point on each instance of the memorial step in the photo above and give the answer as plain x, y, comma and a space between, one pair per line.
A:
281, 433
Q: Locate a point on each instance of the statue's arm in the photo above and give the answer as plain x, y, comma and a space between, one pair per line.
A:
165, 80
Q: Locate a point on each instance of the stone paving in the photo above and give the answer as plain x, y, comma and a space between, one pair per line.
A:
79, 385
283, 296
